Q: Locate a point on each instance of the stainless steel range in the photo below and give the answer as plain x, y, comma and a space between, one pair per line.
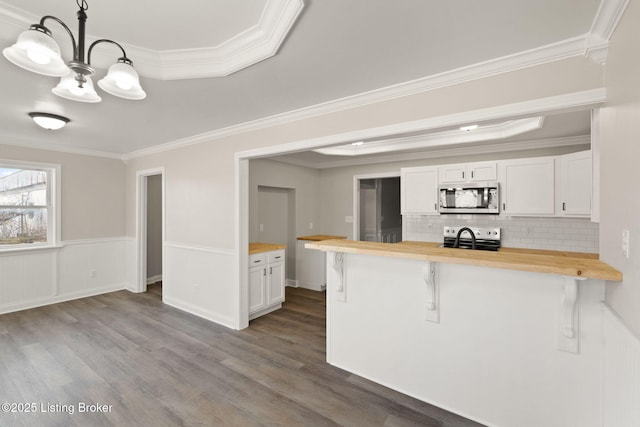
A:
486, 239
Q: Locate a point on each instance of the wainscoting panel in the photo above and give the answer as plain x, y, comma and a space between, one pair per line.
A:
77, 269
26, 276
621, 373
200, 280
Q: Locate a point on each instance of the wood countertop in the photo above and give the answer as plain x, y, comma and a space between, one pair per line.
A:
574, 264
321, 237
256, 248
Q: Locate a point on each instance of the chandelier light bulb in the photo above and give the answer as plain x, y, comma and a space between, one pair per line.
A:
38, 57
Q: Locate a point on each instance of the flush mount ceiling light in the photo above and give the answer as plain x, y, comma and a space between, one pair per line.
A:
468, 128
488, 132
49, 121
37, 51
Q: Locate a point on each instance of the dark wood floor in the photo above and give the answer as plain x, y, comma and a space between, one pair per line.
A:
158, 366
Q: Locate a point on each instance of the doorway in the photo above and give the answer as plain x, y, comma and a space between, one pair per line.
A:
150, 220
377, 216
277, 221
154, 233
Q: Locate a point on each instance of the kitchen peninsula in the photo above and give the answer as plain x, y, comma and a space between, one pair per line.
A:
469, 330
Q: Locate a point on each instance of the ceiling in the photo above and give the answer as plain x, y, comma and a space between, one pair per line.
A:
312, 52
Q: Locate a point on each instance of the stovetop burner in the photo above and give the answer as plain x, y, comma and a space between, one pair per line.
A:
487, 239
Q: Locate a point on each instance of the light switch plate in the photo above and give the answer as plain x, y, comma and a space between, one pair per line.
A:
625, 243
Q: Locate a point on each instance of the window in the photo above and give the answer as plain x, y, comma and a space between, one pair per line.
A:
28, 205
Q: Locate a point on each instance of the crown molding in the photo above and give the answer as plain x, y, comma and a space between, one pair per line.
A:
604, 24
19, 141
546, 54
252, 45
442, 152
568, 101
489, 132
606, 20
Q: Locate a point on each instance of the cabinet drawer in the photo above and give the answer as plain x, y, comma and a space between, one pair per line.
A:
257, 260
275, 256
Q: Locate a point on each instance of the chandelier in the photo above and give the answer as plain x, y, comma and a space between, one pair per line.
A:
37, 51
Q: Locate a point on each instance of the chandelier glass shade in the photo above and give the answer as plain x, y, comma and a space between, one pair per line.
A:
37, 51
68, 88
49, 121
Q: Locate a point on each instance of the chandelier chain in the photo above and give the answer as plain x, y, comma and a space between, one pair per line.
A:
82, 4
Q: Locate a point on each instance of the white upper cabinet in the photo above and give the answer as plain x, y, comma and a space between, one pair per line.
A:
574, 189
468, 172
528, 186
419, 190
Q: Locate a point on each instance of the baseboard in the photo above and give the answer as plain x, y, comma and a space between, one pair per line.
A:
621, 372
197, 311
403, 391
26, 305
291, 283
153, 279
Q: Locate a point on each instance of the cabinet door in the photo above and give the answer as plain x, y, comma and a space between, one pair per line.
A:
452, 173
575, 184
275, 284
485, 171
528, 186
419, 190
257, 288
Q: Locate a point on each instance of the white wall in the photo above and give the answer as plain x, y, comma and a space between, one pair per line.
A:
619, 144
269, 173
619, 207
200, 179
92, 258
493, 355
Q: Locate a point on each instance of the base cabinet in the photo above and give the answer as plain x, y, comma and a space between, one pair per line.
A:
266, 282
311, 267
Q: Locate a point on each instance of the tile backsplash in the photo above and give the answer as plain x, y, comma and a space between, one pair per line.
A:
561, 234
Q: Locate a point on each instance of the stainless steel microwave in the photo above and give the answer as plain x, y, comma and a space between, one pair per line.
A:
471, 197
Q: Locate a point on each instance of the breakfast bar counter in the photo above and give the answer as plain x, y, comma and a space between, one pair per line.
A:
575, 264
468, 330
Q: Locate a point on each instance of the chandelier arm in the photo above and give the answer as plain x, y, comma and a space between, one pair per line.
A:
73, 39
124, 54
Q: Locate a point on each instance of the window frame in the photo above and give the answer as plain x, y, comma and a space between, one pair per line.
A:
54, 220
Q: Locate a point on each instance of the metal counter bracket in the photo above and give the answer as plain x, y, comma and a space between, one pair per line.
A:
433, 292
569, 331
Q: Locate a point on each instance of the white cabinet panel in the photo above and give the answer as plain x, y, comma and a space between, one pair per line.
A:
275, 289
575, 184
419, 190
452, 173
528, 186
266, 282
468, 172
257, 289
485, 171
